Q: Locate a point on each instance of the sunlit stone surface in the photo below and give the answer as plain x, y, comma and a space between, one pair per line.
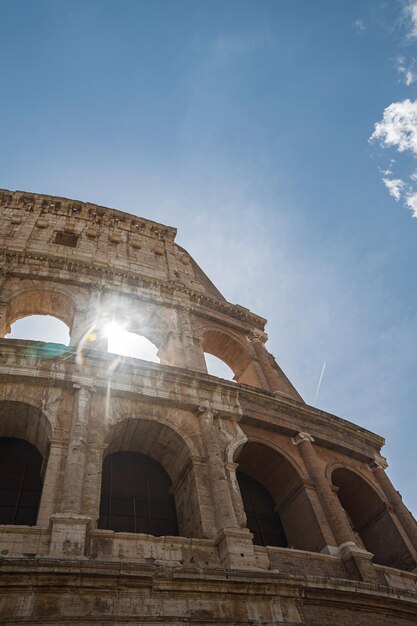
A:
139, 487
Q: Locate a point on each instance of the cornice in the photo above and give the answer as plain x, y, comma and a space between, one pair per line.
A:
397, 603
110, 274
271, 411
43, 204
275, 411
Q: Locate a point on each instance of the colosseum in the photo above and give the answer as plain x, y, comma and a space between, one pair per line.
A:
139, 492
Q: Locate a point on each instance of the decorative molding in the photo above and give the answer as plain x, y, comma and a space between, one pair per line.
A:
378, 462
108, 275
302, 437
255, 334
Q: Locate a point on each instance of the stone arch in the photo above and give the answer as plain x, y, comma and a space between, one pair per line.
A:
235, 446
151, 437
285, 482
39, 301
133, 314
163, 444
274, 446
42, 398
371, 520
21, 420
20, 482
234, 351
25, 433
331, 467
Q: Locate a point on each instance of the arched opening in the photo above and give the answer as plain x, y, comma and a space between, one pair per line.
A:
136, 496
20, 481
262, 519
38, 302
233, 354
217, 367
24, 441
23, 421
163, 446
125, 343
295, 523
40, 328
371, 521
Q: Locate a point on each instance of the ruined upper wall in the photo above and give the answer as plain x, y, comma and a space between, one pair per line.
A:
53, 245
105, 238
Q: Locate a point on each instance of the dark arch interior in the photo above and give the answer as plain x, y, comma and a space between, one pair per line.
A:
371, 520
291, 502
20, 481
262, 519
135, 496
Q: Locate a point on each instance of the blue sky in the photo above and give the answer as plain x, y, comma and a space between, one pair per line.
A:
247, 126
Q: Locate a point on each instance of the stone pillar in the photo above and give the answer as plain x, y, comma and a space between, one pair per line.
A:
51, 482
91, 493
192, 348
235, 494
356, 560
79, 326
378, 467
270, 372
234, 543
330, 502
274, 380
223, 508
69, 527
76, 455
4, 327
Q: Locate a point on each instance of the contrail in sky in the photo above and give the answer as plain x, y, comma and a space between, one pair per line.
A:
321, 378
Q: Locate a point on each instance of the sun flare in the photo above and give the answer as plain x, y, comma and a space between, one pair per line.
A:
125, 343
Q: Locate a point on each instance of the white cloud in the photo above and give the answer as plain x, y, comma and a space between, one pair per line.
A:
394, 186
406, 72
410, 11
411, 202
359, 25
398, 127
386, 172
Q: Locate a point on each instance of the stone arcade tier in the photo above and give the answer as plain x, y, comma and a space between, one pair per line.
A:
279, 513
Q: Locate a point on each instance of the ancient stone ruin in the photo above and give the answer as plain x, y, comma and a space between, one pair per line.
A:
135, 492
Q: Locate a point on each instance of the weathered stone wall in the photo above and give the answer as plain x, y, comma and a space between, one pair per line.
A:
76, 404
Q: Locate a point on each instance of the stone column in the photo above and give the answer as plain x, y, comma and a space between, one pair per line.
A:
4, 327
79, 326
274, 379
378, 467
356, 560
330, 502
234, 543
235, 494
91, 493
223, 508
51, 482
257, 339
76, 455
69, 527
192, 348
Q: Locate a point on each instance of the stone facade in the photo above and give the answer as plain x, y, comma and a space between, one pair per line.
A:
351, 544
